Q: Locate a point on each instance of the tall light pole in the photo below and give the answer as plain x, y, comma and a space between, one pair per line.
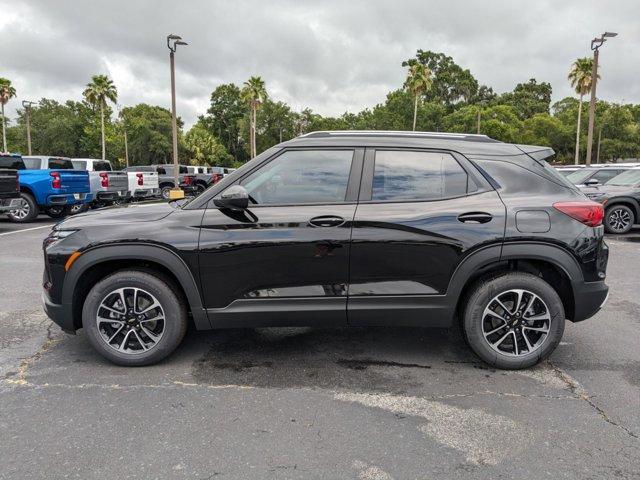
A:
172, 43
596, 43
27, 111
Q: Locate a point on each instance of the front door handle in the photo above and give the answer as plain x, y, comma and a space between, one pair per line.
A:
475, 217
326, 221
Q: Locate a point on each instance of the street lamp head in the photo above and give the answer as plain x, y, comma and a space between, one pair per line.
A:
172, 36
180, 42
609, 34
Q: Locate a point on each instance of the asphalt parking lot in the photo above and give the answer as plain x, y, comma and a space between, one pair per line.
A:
311, 403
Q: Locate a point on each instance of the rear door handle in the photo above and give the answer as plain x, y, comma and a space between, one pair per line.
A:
326, 221
475, 217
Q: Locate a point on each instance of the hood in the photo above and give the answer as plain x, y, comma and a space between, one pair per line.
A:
148, 212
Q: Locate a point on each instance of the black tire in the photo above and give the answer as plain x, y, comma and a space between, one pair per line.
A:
482, 294
619, 219
200, 188
175, 313
60, 211
164, 191
78, 208
28, 212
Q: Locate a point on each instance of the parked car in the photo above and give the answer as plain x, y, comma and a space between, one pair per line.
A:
143, 182
108, 187
620, 197
166, 179
595, 175
47, 184
338, 229
9, 184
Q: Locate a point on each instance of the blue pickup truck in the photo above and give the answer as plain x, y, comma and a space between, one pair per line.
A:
51, 187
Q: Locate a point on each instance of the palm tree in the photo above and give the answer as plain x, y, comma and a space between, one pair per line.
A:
580, 78
98, 91
418, 82
254, 93
7, 92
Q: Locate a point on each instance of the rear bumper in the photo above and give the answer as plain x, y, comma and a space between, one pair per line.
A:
8, 203
111, 195
146, 193
589, 297
68, 199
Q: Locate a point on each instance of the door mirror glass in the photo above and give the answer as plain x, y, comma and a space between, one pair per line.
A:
235, 198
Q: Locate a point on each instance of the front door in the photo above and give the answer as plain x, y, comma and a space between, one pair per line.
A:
285, 260
420, 213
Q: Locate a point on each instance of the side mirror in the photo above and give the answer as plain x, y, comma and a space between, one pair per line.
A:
234, 198
591, 182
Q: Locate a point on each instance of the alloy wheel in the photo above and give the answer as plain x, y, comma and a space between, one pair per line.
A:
516, 322
130, 320
22, 211
619, 219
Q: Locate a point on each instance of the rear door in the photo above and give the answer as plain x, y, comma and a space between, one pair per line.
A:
420, 213
285, 260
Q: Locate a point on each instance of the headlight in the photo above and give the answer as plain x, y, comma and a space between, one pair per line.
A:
55, 236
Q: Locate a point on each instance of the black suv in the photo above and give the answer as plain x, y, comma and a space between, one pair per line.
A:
343, 229
621, 199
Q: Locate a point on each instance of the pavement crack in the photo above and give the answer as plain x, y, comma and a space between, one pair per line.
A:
20, 375
580, 393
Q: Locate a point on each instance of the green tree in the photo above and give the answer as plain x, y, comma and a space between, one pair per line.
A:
224, 118
205, 149
528, 98
580, 79
254, 94
98, 91
417, 83
7, 92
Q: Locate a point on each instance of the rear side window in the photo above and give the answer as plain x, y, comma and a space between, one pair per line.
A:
32, 163
404, 175
79, 164
14, 163
60, 164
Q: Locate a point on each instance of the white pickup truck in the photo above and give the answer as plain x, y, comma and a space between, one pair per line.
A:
108, 187
143, 182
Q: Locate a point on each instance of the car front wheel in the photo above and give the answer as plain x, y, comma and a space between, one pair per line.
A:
134, 318
513, 320
618, 219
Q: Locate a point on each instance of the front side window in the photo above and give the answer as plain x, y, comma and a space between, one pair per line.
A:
301, 176
405, 175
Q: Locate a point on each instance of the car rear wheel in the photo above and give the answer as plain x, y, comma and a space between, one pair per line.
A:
134, 318
165, 191
513, 320
619, 219
27, 209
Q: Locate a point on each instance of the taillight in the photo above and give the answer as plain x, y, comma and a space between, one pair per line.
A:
589, 213
55, 180
187, 180
140, 179
104, 179
217, 177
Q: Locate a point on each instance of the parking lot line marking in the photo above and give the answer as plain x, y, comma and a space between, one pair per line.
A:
25, 230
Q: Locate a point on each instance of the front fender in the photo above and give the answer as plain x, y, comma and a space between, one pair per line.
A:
148, 252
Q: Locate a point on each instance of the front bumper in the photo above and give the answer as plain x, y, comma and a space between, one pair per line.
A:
589, 298
59, 314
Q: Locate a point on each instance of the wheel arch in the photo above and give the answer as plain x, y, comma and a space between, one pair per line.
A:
95, 263
552, 263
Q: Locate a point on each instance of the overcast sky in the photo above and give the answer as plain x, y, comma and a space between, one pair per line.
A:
331, 56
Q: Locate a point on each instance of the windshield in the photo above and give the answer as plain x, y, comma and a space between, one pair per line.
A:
626, 179
580, 176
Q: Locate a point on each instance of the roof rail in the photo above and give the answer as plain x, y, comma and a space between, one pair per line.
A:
469, 137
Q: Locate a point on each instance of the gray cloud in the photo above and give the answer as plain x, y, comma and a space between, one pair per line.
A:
332, 56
